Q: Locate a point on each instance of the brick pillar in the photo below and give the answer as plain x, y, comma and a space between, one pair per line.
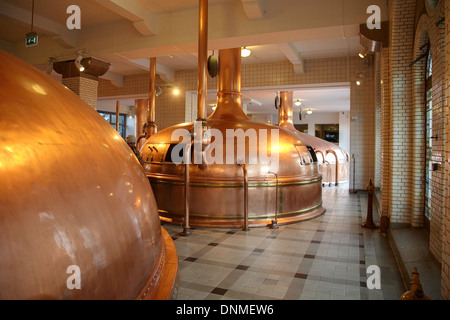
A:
83, 87
377, 91
84, 84
386, 135
402, 19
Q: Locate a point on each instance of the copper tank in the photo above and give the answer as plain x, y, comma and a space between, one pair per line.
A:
218, 193
331, 158
72, 195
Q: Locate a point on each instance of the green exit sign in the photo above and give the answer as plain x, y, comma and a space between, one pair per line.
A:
31, 39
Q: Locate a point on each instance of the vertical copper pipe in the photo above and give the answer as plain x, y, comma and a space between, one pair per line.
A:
229, 86
274, 224
229, 71
141, 110
244, 168
117, 114
186, 227
202, 60
286, 111
151, 125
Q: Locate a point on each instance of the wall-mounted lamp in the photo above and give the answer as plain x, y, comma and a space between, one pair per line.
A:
363, 53
359, 78
176, 91
245, 52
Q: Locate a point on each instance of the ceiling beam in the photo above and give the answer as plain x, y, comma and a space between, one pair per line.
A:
165, 73
253, 9
293, 56
115, 78
143, 20
63, 36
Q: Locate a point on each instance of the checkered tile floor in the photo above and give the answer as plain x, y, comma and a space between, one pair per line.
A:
325, 258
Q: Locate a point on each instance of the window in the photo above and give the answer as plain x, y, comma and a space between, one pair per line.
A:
111, 118
428, 135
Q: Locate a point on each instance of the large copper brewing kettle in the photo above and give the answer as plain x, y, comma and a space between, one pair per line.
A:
72, 195
218, 194
333, 161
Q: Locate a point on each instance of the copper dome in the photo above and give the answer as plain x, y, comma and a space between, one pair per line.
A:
73, 194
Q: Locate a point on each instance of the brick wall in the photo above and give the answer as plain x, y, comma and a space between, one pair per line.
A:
446, 219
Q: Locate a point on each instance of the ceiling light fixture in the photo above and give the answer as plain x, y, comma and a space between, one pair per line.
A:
309, 111
78, 63
245, 52
298, 103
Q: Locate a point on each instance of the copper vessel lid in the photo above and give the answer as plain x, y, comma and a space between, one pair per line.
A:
71, 194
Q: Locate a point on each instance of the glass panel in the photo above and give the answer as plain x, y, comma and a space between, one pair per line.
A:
121, 119
429, 65
105, 116
113, 119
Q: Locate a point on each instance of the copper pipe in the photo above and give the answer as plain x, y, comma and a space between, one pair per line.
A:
202, 60
229, 87
337, 165
286, 113
141, 110
244, 168
151, 126
274, 224
117, 114
230, 71
186, 228
323, 156
139, 139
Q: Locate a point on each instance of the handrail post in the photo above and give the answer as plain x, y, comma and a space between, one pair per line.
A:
274, 224
244, 168
186, 228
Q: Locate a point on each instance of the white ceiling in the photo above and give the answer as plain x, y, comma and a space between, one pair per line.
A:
288, 30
